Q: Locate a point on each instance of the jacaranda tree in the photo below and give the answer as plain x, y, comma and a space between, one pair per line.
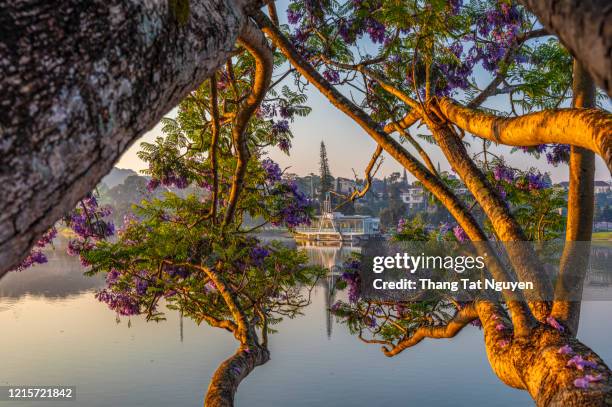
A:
413, 63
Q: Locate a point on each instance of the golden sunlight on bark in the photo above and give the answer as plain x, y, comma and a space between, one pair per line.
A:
587, 128
580, 208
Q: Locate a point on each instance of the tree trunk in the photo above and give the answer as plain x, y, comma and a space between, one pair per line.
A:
80, 82
585, 28
580, 208
535, 364
231, 372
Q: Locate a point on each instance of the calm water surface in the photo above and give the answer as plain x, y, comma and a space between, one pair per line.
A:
54, 332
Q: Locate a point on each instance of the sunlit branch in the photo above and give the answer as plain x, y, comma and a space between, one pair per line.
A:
462, 318
369, 172
579, 222
255, 42
586, 128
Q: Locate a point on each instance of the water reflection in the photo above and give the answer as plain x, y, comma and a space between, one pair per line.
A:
60, 278
61, 334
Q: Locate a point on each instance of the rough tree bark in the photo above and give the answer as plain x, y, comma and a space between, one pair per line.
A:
580, 211
585, 28
80, 81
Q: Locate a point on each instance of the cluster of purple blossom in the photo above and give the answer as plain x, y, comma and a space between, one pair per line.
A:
531, 180
273, 170
36, 256
353, 280
121, 302
504, 173
259, 254
558, 154
87, 221
555, 153
279, 127
460, 234
401, 224
169, 179
331, 76
296, 209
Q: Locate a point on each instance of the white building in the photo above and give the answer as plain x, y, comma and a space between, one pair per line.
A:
413, 196
602, 187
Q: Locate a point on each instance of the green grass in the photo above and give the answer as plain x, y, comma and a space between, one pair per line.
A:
602, 236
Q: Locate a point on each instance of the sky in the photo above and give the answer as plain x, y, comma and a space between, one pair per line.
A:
350, 148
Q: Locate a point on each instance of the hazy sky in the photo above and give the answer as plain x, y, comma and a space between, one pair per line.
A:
349, 147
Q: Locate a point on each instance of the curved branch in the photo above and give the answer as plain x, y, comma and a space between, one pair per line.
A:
257, 45
368, 175
224, 383
586, 128
463, 317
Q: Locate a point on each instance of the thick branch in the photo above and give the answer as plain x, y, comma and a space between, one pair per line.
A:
585, 28
257, 45
586, 128
224, 383
579, 223
80, 81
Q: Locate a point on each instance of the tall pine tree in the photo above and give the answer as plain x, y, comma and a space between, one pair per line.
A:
326, 178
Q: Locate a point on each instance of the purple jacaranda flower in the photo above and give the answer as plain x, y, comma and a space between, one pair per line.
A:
210, 287
112, 276
554, 323
580, 363
370, 321
558, 153
500, 327
565, 350
120, 302
285, 145
503, 342
460, 234
280, 126
258, 255
152, 184
47, 237
331, 76
584, 382
273, 171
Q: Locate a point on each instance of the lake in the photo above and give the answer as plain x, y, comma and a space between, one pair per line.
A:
56, 333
